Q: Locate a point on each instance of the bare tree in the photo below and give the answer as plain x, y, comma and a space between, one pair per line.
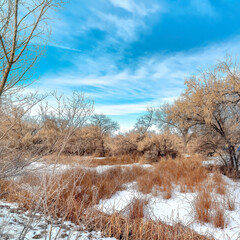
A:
145, 122
212, 105
16, 129
64, 118
105, 126
23, 33
25, 139
231, 70
173, 117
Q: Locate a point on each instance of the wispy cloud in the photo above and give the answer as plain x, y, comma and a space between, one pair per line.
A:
137, 8
204, 7
124, 28
105, 16
153, 80
64, 47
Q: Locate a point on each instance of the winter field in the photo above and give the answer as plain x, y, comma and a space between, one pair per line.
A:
100, 198
119, 120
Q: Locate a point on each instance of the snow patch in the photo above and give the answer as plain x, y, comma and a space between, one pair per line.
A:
15, 222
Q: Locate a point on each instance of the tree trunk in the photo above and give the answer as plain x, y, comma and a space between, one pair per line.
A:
233, 159
103, 148
185, 143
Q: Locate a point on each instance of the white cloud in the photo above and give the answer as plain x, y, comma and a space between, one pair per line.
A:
154, 79
64, 47
77, 20
135, 8
204, 8
126, 28
121, 109
125, 4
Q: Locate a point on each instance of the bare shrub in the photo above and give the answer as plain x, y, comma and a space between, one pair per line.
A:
16, 129
124, 144
105, 126
155, 146
25, 139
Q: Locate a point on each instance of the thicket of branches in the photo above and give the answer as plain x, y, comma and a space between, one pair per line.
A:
209, 110
207, 113
205, 116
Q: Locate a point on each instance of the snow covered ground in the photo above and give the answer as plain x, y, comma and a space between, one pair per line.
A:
217, 161
42, 168
16, 223
103, 168
178, 209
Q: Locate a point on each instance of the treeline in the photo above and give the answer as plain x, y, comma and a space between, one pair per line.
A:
204, 119
31, 128
209, 110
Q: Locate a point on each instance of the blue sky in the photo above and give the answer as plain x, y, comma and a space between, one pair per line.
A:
131, 54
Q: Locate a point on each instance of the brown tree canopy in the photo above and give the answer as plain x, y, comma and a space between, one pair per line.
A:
212, 104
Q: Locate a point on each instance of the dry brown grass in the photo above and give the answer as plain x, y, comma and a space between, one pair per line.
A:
13, 192
90, 161
73, 194
66, 204
136, 209
230, 203
219, 183
126, 228
63, 159
219, 219
203, 205
86, 188
187, 173
167, 191
210, 209
125, 159
147, 181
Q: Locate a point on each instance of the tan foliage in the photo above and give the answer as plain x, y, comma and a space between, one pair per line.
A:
213, 107
172, 117
125, 144
149, 145
155, 146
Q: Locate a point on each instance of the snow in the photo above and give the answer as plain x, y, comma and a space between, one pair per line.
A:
103, 168
43, 168
14, 221
178, 209
119, 201
213, 161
